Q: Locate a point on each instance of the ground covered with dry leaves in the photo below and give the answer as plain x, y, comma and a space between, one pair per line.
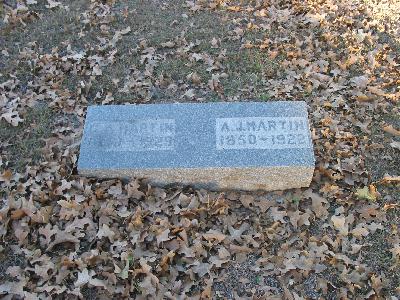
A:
68, 237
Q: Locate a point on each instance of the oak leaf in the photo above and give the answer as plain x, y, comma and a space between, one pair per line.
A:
339, 222
390, 129
163, 237
366, 193
12, 117
214, 235
105, 231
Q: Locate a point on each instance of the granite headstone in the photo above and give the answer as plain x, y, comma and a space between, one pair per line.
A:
242, 146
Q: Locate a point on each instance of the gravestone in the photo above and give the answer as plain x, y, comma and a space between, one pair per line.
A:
218, 146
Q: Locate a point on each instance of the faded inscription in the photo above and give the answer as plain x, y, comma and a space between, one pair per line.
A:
262, 133
134, 135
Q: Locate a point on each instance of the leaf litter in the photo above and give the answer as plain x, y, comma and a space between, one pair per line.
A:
66, 236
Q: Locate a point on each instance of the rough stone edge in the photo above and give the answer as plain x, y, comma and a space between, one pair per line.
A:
217, 179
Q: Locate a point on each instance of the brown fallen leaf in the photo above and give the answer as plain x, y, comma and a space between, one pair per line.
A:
194, 77
278, 215
6, 176
223, 253
63, 238
236, 234
202, 269
390, 179
390, 129
339, 222
18, 214
214, 43
168, 44
365, 97
105, 231
207, 292
234, 8
166, 260
239, 249
214, 235
149, 285
396, 251
360, 81
42, 215
360, 231
287, 294
163, 237
246, 200
377, 283
388, 206
133, 189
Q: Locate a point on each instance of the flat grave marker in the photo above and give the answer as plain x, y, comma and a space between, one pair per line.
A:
218, 146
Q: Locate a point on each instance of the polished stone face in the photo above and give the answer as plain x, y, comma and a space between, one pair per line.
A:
183, 143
